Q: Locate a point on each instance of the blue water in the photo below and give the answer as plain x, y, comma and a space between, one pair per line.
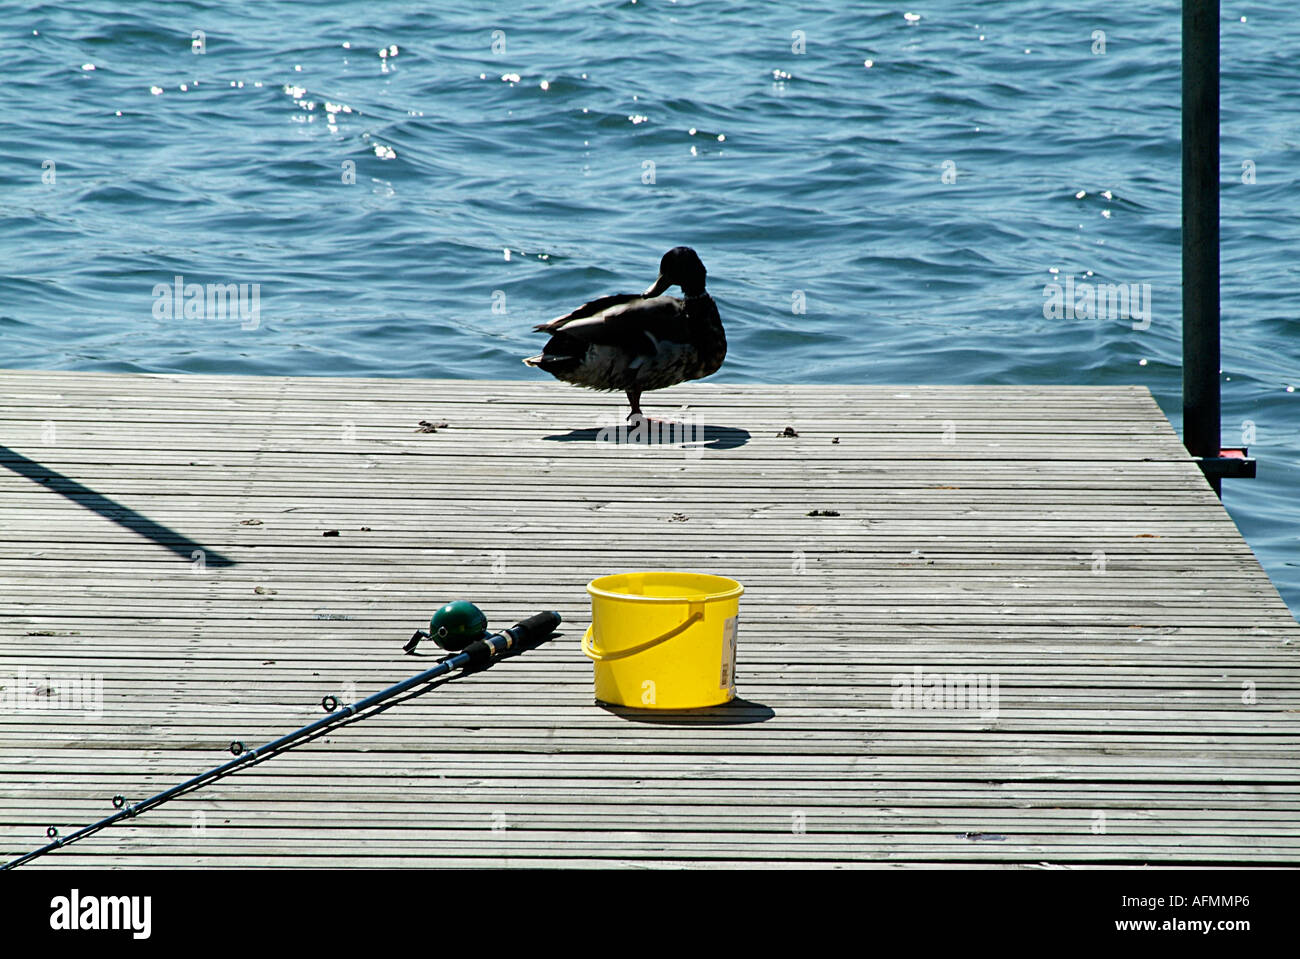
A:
918, 172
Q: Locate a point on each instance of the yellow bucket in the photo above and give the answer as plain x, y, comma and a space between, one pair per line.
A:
663, 640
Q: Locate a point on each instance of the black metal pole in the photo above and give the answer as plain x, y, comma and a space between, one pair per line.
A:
1201, 230
477, 655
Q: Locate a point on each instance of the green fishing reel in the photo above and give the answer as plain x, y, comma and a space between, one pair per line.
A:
453, 627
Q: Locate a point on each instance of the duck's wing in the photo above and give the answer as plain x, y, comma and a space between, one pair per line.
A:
587, 309
635, 324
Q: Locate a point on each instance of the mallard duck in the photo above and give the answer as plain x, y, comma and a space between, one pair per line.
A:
639, 342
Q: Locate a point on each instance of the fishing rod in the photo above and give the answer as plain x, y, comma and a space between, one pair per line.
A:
458, 626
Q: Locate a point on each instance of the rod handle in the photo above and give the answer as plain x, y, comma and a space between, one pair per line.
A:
526, 632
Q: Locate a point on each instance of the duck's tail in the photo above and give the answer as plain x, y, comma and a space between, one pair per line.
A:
557, 365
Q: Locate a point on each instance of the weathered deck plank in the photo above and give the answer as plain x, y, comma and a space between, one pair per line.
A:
1057, 538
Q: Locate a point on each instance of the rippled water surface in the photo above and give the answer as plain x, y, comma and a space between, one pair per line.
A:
919, 173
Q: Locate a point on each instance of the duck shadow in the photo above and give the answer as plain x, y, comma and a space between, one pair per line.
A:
738, 712
661, 434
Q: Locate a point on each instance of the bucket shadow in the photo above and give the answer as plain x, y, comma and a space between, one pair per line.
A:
708, 437
738, 712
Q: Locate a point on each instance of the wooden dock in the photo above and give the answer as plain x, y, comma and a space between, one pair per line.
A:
221, 552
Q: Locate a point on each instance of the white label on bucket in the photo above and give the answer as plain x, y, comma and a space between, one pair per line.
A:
728, 653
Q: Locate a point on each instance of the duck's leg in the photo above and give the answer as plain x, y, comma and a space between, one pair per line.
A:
640, 420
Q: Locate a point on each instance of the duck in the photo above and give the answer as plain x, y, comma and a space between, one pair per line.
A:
638, 342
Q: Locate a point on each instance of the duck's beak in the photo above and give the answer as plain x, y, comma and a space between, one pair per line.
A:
658, 287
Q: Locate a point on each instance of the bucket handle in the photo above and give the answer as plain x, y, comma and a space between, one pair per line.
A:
697, 614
